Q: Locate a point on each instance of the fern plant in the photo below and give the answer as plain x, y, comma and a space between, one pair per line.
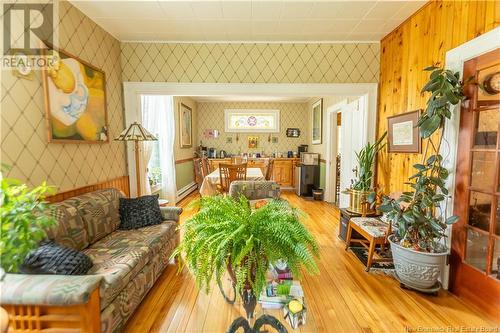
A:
227, 234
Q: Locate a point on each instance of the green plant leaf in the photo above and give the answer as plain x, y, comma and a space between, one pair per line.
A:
452, 219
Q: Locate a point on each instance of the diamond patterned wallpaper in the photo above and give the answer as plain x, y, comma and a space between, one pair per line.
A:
211, 116
250, 63
24, 138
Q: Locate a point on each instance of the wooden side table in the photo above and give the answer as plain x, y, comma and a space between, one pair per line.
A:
374, 232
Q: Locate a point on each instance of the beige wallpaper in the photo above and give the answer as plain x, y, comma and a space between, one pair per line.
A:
247, 63
211, 116
23, 133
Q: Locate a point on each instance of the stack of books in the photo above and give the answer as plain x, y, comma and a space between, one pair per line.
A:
280, 292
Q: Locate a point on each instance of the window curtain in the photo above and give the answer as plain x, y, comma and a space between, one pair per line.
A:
158, 117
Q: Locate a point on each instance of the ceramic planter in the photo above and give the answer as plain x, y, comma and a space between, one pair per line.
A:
415, 269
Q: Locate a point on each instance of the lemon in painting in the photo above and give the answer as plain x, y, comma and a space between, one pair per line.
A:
87, 127
61, 130
295, 306
96, 107
63, 78
92, 78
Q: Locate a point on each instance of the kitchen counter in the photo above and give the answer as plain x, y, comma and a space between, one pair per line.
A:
283, 168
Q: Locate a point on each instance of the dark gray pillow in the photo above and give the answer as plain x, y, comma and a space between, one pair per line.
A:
139, 212
52, 258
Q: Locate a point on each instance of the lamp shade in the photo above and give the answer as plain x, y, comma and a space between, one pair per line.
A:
135, 132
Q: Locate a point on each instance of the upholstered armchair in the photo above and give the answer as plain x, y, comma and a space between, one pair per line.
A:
254, 189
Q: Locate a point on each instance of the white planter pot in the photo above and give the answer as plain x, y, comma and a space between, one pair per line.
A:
416, 269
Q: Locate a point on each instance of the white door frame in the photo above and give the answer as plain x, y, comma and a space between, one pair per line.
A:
366, 90
455, 59
331, 145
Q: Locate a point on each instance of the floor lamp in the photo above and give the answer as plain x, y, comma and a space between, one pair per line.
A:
135, 132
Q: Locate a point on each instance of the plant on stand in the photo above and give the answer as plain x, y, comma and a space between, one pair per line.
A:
23, 221
227, 235
420, 224
361, 188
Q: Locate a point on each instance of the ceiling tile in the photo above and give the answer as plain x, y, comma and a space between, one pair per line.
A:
125, 9
177, 10
384, 9
237, 10
207, 9
341, 9
266, 10
296, 10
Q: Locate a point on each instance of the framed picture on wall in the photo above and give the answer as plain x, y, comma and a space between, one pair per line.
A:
186, 126
75, 101
317, 122
403, 133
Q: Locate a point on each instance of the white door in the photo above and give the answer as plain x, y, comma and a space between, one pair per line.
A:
353, 132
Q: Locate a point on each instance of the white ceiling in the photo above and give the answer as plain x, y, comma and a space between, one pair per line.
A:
249, 20
260, 99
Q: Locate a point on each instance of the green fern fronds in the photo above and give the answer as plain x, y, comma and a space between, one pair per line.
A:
227, 231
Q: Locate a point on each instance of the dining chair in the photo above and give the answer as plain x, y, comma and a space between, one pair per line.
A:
270, 169
198, 173
230, 173
205, 167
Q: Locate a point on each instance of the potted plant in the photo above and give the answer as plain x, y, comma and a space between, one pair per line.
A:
420, 224
361, 188
23, 221
226, 234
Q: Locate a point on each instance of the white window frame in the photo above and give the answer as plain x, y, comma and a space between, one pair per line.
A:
274, 113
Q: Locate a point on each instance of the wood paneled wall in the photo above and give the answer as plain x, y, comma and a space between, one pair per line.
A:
121, 183
422, 40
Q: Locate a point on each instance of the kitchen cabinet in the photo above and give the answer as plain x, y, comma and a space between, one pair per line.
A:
284, 170
258, 163
214, 162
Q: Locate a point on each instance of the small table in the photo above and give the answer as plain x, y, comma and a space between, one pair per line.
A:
375, 233
209, 185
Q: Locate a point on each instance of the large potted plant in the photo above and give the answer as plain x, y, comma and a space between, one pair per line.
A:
420, 224
23, 221
227, 235
361, 188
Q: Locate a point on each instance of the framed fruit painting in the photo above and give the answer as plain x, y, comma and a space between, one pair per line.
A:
75, 101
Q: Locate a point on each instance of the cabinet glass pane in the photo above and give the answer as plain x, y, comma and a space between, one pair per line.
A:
486, 129
479, 210
483, 170
495, 269
477, 249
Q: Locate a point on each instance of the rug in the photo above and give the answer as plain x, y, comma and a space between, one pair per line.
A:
362, 254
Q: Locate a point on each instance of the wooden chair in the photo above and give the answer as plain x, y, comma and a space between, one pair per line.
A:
270, 169
198, 176
230, 173
205, 167
374, 231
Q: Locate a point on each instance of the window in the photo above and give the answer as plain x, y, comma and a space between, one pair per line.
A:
252, 120
154, 169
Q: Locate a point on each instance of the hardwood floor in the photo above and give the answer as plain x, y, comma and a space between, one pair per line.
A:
342, 298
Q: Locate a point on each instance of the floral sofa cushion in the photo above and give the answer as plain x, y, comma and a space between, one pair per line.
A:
120, 256
254, 190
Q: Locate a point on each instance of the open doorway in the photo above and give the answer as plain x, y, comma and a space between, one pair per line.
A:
349, 128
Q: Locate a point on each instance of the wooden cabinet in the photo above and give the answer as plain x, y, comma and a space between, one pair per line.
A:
258, 163
284, 170
214, 162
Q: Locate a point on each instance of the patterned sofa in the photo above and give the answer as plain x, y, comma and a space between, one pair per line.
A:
126, 263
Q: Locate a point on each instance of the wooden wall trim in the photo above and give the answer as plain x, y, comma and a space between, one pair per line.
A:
121, 183
184, 160
420, 41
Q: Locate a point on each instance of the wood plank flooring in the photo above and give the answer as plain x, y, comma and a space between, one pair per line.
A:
342, 298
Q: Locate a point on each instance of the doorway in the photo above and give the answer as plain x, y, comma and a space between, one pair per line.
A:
348, 130
475, 246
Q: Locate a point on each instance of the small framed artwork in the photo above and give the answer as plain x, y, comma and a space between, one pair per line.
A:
403, 133
186, 126
253, 141
75, 101
317, 122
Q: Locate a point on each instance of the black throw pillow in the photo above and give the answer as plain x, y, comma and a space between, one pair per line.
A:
139, 212
52, 258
